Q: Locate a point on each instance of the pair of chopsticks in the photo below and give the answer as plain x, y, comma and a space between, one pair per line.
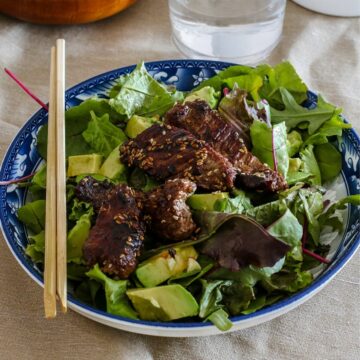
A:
55, 272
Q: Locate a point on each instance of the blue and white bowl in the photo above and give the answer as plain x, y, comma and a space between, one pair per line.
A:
22, 159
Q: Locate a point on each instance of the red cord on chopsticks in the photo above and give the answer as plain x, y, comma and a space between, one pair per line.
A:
12, 75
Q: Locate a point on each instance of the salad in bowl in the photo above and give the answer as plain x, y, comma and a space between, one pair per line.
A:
196, 205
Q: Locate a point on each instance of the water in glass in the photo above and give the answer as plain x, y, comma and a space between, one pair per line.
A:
243, 31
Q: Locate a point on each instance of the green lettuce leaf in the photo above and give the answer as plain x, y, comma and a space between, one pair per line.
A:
36, 247
248, 276
140, 94
287, 229
283, 75
329, 161
331, 217
287, 280
82, 112
261, 301
309, 204
294, 114
294, 177
39, 179
211, 296
267, 213
265, 139
332, 127
77, 237
117, 302
294, 143
310, 165
119, 84
262, 81
32, 215
251, 83
76, 121
38, 184
236, 205
220, 318
78, 209
102, 135
217, 81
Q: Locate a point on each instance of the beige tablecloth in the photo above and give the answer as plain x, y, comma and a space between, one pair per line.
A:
326, 52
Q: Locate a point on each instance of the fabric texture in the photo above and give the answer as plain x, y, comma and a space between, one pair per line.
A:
325, 51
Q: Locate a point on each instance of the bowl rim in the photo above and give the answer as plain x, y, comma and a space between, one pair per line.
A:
279, 307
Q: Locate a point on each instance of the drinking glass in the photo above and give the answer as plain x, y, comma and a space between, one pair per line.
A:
243, 31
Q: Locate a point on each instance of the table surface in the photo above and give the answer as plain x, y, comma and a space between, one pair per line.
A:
326, 52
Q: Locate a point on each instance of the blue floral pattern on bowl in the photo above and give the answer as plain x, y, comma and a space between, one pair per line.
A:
22, 159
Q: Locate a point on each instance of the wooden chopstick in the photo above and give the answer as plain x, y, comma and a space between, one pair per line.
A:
55, 272
50, 228
61, 232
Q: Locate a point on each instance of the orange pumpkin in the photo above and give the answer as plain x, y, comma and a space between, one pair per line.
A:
62, 11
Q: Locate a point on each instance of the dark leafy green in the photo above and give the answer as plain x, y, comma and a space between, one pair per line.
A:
36, 247
237, 252
38, 183
329, 161
236, 111
237, 297
32, 215
141, 181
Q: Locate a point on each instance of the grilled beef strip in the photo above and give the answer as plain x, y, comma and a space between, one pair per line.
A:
171, 217
208, 125
166, 152
164, 208
116, 239
93, 191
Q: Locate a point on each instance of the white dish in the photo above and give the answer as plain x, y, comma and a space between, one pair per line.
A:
332, 7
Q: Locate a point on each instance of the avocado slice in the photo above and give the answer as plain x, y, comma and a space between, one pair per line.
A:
163, 303
84, 164
207, 93
205, 202
161, 267
112, 167
137, 124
